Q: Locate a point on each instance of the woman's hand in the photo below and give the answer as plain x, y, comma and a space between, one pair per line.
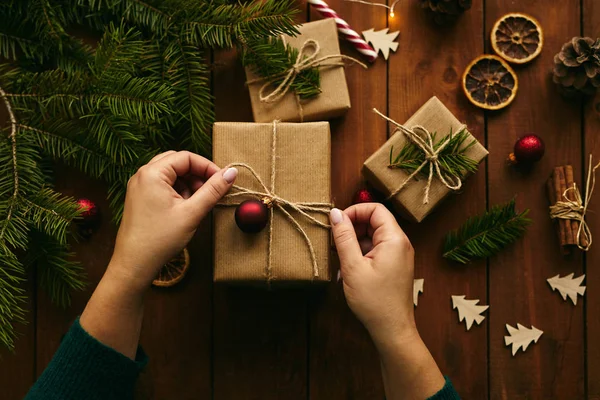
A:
166, 200
377, 263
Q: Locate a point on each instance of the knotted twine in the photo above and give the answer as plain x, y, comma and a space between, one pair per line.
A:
423, 139
577, 208
303, 62
272, 200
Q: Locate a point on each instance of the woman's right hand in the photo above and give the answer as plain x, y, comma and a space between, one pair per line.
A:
377, 263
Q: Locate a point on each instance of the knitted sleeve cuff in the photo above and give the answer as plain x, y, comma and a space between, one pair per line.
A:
85, 368
446, 393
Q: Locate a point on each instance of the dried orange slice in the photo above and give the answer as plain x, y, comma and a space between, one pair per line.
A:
173, 271
518, 38
490, 83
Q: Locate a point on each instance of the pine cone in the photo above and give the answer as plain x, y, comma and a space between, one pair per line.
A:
577, 66
446, 10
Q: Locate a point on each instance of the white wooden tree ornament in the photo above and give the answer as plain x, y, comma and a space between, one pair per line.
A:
521, 337
568, 286
417, 288
468, 310
382, 41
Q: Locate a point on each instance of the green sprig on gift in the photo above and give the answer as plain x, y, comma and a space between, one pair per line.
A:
485, 235
452, 158
270, 57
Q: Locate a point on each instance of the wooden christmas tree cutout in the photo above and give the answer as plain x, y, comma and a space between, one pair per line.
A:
382, 41
417, 288
521, 337
468, 310
568, 286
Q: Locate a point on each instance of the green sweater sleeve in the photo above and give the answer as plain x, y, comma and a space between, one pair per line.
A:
84, 368
446, 393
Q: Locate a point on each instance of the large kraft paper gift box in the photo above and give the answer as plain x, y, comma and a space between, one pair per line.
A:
334, 99
302, 174
436, 118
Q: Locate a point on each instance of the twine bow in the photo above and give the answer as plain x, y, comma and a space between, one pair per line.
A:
304, 61
423, 139
576, 209
268, 196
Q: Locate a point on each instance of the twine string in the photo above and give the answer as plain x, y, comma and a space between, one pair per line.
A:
268, 196
577, 208
423, 139
304, 61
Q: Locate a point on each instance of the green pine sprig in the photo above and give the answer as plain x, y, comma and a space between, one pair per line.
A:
485, 235
270, 58
453, 159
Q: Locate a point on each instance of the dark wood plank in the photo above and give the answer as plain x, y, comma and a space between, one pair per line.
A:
591, 28
343, 361
430, 61
519, 293
260, 337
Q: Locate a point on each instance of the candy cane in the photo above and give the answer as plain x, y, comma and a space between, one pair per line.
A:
345, 29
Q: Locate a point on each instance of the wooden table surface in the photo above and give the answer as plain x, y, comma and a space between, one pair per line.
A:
208, 341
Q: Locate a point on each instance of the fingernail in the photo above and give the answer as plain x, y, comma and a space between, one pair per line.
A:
336, 216
230, 175
339, 276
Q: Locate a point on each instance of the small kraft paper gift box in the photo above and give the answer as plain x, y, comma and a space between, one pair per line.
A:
318, 44
287, 166
411, 168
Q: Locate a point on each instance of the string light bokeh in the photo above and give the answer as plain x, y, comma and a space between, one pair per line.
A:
391, 8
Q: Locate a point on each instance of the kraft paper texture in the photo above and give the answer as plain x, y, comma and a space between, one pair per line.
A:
303, 165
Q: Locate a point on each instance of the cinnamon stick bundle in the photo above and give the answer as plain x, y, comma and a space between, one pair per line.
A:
561, 179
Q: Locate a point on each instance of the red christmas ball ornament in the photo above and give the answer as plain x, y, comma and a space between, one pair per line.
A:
251, 216
363, 195
89, 210
528, 150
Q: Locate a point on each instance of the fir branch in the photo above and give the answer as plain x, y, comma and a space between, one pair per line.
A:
107, 111
453, 160
271, 58
225, 25
58, 274
51, 213
72, 149
118, 52
12, 296
14, 42
13, 152
188, 75
485, 235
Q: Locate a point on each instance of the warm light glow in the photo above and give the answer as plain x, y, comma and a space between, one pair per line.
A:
392, 14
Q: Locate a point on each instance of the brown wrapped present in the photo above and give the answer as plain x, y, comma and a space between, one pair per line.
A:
295, 244
333, 101
416, 198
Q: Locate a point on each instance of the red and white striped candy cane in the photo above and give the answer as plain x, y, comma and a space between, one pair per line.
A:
344, 28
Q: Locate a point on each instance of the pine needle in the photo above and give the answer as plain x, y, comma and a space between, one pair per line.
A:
485, 235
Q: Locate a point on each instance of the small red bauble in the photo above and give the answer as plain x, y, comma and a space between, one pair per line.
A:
528, 150
251, 216
89, 210
363, 196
